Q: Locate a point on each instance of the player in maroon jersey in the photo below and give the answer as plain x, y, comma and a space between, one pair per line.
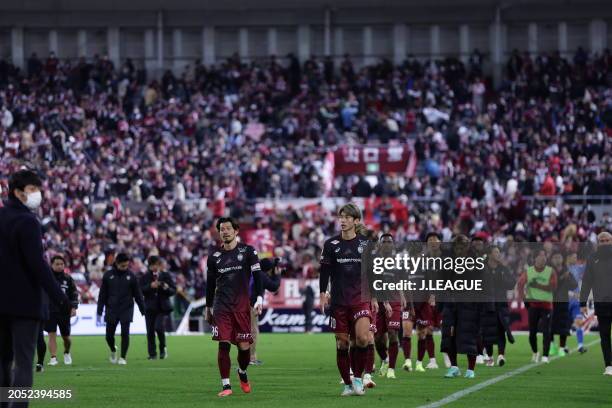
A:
228, 308
350, 314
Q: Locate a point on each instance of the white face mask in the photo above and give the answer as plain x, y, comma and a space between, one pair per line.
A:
33, 201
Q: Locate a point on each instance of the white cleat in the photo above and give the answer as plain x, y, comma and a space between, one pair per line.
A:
480, 359
608, 370
545, 360
53, 361
447, 362
122, 361
391, 373
367, 381
113, 357
347, 391
358, 388
432, 365
501, 360
384, 366
535, 358
67, 359
490, 362
407, 365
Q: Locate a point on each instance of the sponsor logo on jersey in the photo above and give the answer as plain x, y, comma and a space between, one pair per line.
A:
230, 269
335, 242
217, 254
348, 260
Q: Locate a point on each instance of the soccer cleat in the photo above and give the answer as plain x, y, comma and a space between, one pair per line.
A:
226, 392
384, 366
561, 352
490, 362
367, 381
447, 362
122, 361
407, 365
545, 360
582, 350
347, 391
432, 365
113, 357
501, 360
535, 358
391, 373
469, 374
152, 358
419, 367
39, 368
164, 354
256, 362
452, 372
358, 388
480, 359
53, 361
553, 349
608, 370
244, 382
67, 359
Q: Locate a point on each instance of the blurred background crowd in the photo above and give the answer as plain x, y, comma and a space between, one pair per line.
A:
146, 166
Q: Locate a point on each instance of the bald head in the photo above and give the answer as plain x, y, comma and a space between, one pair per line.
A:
604, 238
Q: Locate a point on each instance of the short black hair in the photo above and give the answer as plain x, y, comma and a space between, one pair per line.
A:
223, 220
432, 234
386, 235
23, 178
56, 257
153, 260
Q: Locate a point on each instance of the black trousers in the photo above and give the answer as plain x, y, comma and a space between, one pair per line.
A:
17, 344
111, 327
539, 316
605, 323
41, 346
156, 324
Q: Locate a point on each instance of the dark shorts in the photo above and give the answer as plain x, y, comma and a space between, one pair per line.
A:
234, 327
425, 315
384, 323
55, 321
343, 318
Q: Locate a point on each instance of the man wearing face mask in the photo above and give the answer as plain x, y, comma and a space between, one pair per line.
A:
25, 281
157, 287
119, 291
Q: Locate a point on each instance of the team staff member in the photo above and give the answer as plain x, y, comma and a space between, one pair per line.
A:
24, 280
157, 288
561, 321
270, 280
597, 277
539, 283
118, 292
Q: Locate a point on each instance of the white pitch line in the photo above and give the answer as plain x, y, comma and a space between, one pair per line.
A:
460, 394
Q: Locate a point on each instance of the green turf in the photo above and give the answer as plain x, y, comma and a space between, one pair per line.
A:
300, 371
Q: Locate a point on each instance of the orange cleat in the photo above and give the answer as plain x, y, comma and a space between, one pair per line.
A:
225, 393
245, 387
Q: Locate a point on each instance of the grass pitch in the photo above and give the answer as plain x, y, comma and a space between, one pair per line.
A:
300, 371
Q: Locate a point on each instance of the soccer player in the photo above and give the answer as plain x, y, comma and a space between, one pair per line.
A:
577, 270
388, 319
561, 318
341, 260
538, 284
56, 317
119, 291
228, 308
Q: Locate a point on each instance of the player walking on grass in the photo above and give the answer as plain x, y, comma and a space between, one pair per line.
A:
228, 307
538, 284
341, 260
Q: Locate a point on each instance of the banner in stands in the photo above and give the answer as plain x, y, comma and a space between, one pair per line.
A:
363, 159
84, 323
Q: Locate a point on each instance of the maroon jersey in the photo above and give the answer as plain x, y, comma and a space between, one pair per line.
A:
229, 277
342, 258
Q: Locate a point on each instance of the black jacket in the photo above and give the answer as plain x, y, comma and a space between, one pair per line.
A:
25, 276
67, 285
598, 277
269, 283
118, 292
158, 300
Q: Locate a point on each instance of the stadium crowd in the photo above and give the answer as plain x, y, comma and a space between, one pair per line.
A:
146, 166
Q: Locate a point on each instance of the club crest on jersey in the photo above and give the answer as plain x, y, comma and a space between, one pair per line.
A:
337, 250
129, 277
240, 257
